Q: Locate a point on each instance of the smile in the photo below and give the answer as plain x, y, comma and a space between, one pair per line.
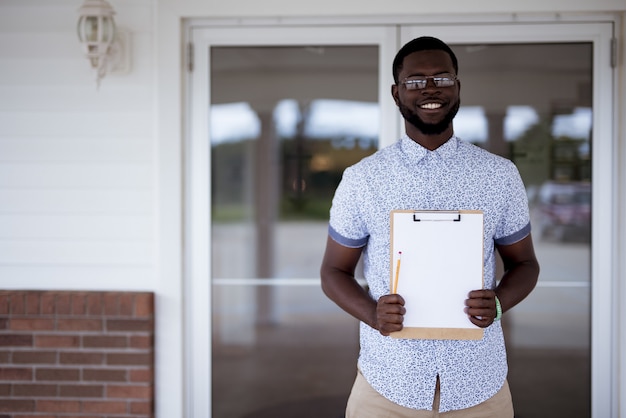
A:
430, 106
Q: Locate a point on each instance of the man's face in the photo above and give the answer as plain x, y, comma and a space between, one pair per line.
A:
432, 109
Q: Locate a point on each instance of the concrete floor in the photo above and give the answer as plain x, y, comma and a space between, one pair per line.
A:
307, 371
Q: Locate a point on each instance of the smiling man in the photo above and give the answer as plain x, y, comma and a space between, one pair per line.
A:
428, 169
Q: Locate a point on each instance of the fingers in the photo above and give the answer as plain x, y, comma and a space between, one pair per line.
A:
481, 307
390, 314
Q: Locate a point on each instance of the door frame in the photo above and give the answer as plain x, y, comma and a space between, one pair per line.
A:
200, 35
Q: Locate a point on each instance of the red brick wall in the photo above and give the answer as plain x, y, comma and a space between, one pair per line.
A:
76, 354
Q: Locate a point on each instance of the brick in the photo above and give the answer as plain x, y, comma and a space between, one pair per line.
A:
141, 375
72, 324
35, 357
34, 390
31, 324
63, 303
16, 340
129, 391
126, 304
141, 408
17, 405
4, 303
58, 406
141, 341
106, 341
79, 357
104, 407
57, 341
38, 416
130, 359
82, 391
79, 303
129, 325
57, 374
48, 303
17, 303
111, 304
94, 303
105, 375
5, 389
16, 373
32, 303
144, 304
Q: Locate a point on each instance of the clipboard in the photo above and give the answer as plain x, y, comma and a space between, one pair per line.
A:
436, 260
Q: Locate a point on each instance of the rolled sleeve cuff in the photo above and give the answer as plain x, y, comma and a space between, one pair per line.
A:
346, 242
515, 237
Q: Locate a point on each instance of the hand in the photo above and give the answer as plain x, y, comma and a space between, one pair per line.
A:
390, 314
481, 307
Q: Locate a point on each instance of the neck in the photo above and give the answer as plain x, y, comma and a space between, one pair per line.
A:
430, 142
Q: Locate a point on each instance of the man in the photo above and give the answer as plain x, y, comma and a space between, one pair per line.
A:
428, 169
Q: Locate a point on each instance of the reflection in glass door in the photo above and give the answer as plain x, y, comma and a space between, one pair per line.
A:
284, 123
532, 103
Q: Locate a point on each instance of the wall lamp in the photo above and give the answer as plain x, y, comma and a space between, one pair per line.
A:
104, 44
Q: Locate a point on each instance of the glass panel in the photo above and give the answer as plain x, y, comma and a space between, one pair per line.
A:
285, 122
532, 103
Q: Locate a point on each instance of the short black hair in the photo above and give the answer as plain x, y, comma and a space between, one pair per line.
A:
423, 43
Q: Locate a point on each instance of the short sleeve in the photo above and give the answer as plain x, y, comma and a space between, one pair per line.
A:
514, 225
346, 224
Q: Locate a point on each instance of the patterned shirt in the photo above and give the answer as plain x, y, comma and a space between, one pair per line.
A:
455, 176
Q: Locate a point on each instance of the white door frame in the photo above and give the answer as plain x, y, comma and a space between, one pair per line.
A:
197, 283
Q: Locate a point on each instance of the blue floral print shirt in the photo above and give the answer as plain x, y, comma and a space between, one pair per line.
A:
407, 176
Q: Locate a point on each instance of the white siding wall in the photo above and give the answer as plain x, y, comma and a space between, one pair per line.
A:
77, 166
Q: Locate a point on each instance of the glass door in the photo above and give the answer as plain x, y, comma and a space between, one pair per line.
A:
530, 98
287, 111
275, 113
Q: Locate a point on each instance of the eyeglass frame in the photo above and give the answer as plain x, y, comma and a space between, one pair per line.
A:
413, 82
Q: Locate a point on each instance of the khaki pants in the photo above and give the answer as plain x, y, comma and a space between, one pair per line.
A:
365, 402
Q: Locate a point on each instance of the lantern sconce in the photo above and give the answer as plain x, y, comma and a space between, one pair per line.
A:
105, 45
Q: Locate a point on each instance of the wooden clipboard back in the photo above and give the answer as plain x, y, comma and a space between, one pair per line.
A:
419, 237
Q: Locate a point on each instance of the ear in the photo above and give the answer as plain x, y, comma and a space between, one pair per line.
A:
394, 93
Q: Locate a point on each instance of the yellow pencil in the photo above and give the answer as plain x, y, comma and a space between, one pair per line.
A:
395, 283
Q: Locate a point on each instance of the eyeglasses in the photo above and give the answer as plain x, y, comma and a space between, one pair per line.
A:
421, 81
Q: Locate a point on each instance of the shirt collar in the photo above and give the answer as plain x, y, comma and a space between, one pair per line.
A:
416, 152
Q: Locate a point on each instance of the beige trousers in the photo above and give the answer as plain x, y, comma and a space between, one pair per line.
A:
365, 402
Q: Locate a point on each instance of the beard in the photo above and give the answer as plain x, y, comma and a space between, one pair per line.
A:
429, 128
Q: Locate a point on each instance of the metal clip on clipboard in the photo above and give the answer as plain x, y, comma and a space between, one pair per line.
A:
440, 215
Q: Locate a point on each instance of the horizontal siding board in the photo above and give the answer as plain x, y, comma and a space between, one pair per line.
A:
82, 227
76, 175
62, 124
68, 95
75, 149
86, 252
51, 201
71, 277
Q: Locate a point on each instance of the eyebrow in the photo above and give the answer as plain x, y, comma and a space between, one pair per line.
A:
432, 75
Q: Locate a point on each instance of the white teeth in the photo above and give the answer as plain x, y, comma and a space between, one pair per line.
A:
431, 106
